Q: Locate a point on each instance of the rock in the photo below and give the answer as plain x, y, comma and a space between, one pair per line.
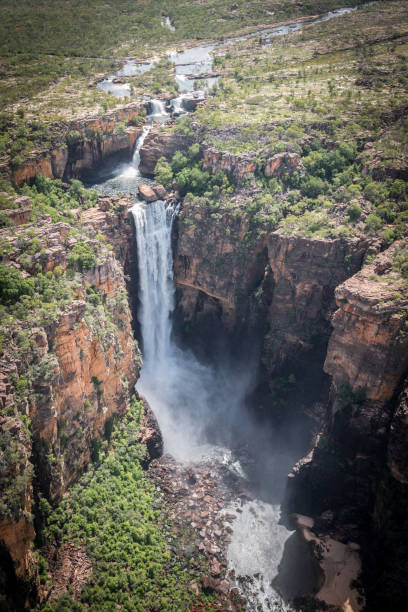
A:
160, 191
223, 587
190, 104
151, 434
161, 143
281, 163
366, 349
238, 166
215, 567
147, 193
88, 152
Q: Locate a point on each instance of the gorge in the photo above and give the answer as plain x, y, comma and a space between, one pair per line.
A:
204, 350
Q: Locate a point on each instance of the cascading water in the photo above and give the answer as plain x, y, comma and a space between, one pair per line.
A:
126, 177
197, 405
201, 409
153, 226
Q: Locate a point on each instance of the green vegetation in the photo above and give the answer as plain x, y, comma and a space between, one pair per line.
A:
190, 176
13, 285
82, 257
53, 46
32, 296
322, 96
110, 512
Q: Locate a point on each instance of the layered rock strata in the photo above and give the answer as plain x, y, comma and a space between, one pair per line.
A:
161, 143
80, 364
82, 144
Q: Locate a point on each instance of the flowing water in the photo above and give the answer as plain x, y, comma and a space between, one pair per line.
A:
198, 60
202, 409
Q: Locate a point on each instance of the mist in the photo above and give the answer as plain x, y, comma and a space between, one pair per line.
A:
206, 411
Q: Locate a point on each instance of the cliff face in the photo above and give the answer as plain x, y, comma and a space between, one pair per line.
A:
161, 142
216, 270
239, 166
95, 369
305, 272
81, 145
229, 268
69, 372
366, 348
355, 480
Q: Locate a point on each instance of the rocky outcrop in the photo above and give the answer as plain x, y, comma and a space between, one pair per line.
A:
147, 193
282, 163
239, 166
227, 268
81, 145
89, 153
367, 348
161, 142
95, 367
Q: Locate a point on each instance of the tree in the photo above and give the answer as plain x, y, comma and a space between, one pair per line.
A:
163, 172
13, 285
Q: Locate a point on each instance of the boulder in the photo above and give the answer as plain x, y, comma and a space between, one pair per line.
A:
147, 193
160, 191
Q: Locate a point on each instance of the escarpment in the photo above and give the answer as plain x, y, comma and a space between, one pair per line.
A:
231, 267
79, 146
351, 481
69, 365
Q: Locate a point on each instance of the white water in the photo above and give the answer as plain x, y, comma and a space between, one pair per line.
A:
126, 177
188, 398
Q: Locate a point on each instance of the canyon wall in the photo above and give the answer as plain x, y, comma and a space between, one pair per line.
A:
355, 479
230, 269
68, 372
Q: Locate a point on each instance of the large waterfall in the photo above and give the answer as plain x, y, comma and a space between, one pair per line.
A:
153, 230
195, 404
201, 408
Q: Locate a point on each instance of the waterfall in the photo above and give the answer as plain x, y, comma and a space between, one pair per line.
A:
195, 404
153, 224
157, 110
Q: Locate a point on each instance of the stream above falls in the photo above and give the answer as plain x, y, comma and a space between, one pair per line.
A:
198, 60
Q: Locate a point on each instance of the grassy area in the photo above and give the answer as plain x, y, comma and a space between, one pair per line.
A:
41, 44
335, 95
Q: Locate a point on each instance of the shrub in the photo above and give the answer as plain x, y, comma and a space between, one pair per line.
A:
163, 172
73, 137
13, 285
347, 396
5, 220
354, 211
178, 162
312, 186
82, 257
373, 222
